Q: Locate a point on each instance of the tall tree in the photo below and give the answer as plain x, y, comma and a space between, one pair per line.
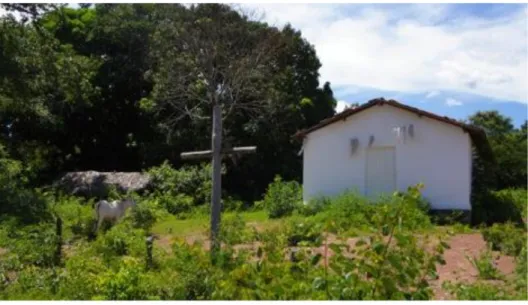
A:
221, 65
508, 145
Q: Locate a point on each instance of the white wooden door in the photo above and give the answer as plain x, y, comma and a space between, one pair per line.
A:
381, 171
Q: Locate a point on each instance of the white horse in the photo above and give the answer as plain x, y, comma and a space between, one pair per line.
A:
111, 210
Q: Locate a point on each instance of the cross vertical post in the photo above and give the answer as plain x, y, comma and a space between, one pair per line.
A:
217, 179
216, 154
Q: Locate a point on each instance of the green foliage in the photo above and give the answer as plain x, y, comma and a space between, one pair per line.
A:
32, 283
282, 198
234, 230
389, 263
145, 214
351, 211
507, 238
125, 284
180, 186
509, 148
485, 266
500, 206
16, 199
307, 231
314, 206
514, 199
78, 216
177, 204
478, 291
121, 239
33, 245
521, 271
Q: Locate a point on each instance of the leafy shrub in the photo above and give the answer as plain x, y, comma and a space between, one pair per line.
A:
193, 265
32, 283
145, 214
232, 205
506, 238
477, 291
177, 204
389, 264
485, 266
16, 199
34, 244
78, 217
234, 230
122, 239
352, 211
521, 271
315, 206
517, 197
491, 207
304, 231
81, 279
125, 284
193, 181
282, 198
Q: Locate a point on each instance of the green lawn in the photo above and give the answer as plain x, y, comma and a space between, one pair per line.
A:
200, 223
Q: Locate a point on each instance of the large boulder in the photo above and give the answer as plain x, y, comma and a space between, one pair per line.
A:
97, 184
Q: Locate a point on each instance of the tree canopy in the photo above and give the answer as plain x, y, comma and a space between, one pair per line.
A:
86, 89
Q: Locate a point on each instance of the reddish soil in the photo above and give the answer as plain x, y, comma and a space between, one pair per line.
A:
459, 269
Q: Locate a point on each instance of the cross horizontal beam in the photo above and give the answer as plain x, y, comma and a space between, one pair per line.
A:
208, 153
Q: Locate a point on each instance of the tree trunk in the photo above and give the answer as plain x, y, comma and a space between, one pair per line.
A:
217, 179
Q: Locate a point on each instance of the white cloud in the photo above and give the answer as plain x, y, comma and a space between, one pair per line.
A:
432, 94
409, 49
341, 105
452, 102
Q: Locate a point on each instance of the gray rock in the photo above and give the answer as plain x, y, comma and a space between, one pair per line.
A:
97, 184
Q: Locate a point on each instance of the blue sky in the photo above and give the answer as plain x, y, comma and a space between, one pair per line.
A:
451, 59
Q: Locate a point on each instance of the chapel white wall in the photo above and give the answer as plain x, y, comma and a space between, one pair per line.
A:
439, 155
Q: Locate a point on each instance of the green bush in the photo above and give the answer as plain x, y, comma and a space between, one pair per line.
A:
507, 238
145, 214
77, 215
33, 283
125, 284
516, 197
491, 207
306, 231
485, 266
193, 181
234, 230
314, 207
16, 199
477, 291
350, 211
34, 245
84, 271
122, 239
521, 271
177, 204
282, 198
230, 204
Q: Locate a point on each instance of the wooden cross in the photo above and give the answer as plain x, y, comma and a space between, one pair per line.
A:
216, 157
205, 154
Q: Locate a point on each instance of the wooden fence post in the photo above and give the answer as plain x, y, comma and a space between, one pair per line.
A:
58, 234
149, 240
